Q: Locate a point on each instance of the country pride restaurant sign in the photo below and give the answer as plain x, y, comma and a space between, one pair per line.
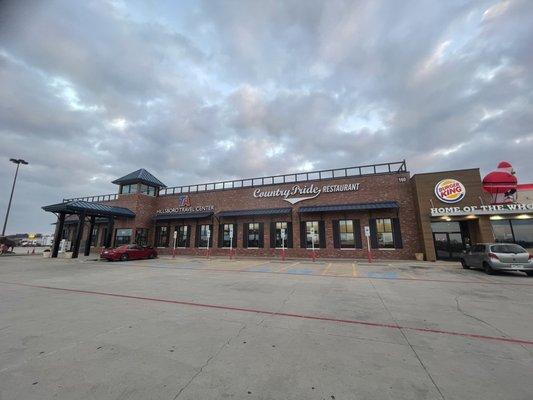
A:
298, 193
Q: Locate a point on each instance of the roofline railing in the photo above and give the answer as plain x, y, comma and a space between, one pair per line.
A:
397, 167
94, 199
360, 170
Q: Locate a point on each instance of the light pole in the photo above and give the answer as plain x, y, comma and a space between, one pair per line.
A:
18, 162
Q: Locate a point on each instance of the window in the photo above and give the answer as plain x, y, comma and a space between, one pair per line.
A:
312, 237
507, 248
384, 233
514, 231
203, 240
148, 190
183, 234
346, 233
141, 236
279, 240
161, 236
253, 235
103, 238
523, 232
502, 231
123, 236
445, 227
94, 236
226, 239
128, 189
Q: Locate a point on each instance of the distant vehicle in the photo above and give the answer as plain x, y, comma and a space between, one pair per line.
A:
493, 257
128, 252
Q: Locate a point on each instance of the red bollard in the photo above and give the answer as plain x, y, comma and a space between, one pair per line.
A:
283, 255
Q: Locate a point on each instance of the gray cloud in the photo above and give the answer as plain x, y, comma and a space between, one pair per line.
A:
202, 92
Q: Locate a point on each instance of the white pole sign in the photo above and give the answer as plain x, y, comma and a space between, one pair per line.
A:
367, 231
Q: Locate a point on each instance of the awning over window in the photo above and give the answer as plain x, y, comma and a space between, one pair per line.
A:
173, 216
383, 205
89, 209
259, 211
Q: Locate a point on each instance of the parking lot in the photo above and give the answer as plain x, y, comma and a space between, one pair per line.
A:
192, 328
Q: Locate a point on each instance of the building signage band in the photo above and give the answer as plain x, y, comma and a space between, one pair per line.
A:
185, 209
483, 210
299, 193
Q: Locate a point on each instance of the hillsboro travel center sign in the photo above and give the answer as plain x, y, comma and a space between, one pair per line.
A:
494, 209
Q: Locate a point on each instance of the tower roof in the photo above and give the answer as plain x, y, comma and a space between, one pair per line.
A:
142, 176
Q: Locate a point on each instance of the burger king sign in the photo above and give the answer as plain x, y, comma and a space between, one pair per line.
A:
450, 191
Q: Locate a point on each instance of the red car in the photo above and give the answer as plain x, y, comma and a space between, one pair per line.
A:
128, 252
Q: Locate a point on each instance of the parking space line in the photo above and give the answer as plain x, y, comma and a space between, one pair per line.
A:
326, 269
282, 314
287, 267
354, 270
360, 276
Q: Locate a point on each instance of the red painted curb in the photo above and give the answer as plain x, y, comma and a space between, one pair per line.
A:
281, 314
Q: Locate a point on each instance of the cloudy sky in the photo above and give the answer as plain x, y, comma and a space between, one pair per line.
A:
199, 91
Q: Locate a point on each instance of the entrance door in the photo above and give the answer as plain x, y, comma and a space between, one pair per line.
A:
449, 238
448, 245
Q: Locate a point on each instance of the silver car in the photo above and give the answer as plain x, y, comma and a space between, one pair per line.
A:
492, 257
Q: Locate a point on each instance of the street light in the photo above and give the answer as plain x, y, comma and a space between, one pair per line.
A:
18, 162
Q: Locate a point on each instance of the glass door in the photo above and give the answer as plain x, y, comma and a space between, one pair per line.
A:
448, 245
441, 245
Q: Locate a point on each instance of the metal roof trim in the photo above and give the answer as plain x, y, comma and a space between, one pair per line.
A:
97, 209
258, 211
351, 207
141, 175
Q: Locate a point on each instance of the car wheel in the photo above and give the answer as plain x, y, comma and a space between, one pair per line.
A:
463, 263
488, 269
124, 257
151, 256
529, 273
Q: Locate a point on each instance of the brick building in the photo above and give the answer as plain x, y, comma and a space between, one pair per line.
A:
327, 211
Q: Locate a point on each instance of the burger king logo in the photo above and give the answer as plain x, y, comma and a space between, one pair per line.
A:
450, 191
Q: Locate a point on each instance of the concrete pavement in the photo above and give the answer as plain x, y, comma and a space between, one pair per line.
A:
191, 328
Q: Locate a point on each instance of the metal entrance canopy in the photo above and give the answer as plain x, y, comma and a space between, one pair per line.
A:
85, 209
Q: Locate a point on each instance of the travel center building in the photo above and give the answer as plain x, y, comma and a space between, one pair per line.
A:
436, 215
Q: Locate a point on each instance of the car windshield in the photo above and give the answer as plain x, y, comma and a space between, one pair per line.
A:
507, 248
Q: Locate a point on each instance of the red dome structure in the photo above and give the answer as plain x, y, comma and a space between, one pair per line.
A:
501, 184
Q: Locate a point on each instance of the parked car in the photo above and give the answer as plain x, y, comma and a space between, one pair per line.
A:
493, 257
128, 252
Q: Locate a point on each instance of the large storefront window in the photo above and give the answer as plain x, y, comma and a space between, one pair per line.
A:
384, 232
226, 239
204, 238
514, 231
94, 236
312, 235
252, 236
347, 238
103, 237
161, 236
141, 236
123, 236
279, 242
183, 236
